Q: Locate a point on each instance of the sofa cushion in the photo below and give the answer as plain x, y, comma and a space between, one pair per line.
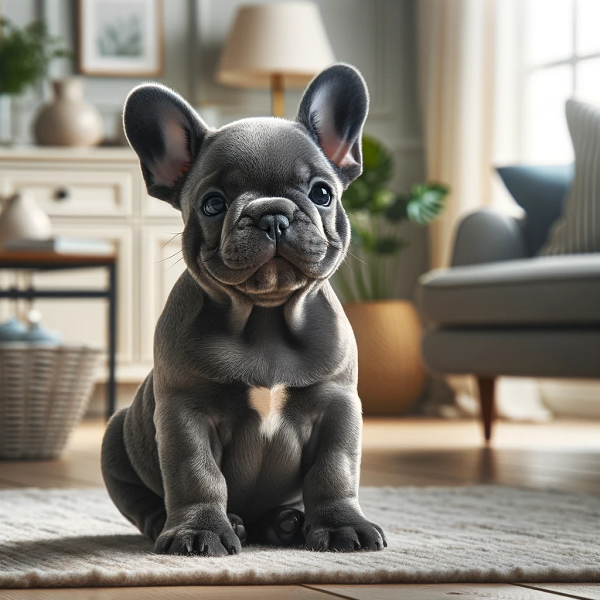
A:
534, 291
517, 352
578, 230
539, 190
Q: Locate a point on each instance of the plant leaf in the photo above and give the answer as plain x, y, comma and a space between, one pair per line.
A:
397, 210
25, 54
366, 192
382, 199
426, 202
387, 245
356, 197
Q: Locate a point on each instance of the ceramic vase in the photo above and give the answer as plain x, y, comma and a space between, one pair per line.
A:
390, 373
23, 218
68, 120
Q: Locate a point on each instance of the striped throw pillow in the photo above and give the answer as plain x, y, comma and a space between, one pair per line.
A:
578, 229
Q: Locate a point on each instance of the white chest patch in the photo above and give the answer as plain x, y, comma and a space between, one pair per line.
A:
268, 404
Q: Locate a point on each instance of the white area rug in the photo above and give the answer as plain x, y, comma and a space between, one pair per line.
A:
56, 538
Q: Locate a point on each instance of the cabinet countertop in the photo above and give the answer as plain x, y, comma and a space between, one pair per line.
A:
58, 153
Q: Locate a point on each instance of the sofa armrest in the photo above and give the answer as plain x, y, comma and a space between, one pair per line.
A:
488, 236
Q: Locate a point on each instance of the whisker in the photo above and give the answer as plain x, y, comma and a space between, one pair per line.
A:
177, 261
348, 265
168, 257
162, 247
357, 258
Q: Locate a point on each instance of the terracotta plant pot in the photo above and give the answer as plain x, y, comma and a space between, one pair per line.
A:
390, 373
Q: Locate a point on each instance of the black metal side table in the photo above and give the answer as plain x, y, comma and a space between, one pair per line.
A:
54, 261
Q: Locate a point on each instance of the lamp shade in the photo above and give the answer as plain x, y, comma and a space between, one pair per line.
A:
286, 39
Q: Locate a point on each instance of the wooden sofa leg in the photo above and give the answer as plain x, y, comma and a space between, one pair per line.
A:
486, 399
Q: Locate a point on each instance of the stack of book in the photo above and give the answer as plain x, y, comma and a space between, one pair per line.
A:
60, 245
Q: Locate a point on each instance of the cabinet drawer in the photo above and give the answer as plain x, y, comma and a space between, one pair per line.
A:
65, 192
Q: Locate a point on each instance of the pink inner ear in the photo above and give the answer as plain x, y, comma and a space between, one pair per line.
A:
176, 160
339, 153
337, 150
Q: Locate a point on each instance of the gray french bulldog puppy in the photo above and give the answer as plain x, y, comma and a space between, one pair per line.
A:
248, 429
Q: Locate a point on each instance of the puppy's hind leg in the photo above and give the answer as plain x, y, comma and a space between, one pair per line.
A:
138, 503
279, 527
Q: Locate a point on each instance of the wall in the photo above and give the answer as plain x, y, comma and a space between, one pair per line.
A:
106, 93
377, 36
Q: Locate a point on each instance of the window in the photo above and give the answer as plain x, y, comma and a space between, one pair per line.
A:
561, 59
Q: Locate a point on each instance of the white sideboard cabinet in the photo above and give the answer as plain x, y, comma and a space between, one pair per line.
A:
100, 193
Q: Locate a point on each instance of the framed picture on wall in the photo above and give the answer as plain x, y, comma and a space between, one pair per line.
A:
120, 38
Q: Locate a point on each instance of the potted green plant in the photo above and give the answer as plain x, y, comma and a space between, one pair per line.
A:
388, 331
24, 58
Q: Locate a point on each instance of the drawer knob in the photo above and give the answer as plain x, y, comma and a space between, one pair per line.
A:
61, 194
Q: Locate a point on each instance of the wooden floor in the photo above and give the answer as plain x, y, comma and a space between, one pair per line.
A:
560, 455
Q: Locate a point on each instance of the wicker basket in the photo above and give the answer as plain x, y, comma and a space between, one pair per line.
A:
44, 391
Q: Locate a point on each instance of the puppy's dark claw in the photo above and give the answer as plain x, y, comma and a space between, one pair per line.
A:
349, 538
188, 541
238, 528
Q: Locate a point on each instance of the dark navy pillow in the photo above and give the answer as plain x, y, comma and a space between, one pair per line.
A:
539, 190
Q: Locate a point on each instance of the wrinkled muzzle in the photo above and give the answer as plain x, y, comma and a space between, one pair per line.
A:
269, 228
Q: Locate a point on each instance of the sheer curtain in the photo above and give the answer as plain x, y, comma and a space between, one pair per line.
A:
468, 75
470, 56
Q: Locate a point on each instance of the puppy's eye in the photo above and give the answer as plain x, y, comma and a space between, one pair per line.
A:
320, 195
214, 205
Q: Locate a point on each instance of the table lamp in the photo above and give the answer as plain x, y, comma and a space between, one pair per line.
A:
275, 45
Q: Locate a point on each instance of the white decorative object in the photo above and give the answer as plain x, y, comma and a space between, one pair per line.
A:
275, 45
68, 120
23, 218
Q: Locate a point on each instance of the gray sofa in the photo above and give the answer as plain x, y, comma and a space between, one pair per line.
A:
499, 311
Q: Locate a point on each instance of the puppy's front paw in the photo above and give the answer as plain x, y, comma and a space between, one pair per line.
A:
361, 535
186, 540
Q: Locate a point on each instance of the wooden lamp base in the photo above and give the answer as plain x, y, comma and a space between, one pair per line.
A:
277, 95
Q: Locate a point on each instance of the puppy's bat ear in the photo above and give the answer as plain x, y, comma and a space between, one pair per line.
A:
333, 110
166, 134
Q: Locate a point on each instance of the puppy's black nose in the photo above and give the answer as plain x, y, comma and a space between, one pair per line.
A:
273, 225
